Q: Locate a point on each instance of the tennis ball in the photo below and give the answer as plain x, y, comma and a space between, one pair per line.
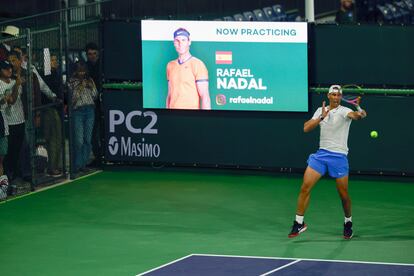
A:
374, 134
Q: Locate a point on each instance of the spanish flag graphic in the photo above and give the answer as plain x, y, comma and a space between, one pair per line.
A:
224, 57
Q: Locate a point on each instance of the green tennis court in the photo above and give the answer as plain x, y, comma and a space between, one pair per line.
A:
127, 222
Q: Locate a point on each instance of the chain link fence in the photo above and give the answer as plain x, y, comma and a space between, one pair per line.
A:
50, 85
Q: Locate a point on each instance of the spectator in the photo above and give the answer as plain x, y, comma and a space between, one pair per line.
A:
92, 62
9, 90
83, 93
15, 118
38, 87
346, 13
51, 121
5, 47
23, 55
92, 55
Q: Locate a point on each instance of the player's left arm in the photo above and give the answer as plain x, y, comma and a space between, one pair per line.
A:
168, 96
202, 89
167, 100
201, 76
357, 115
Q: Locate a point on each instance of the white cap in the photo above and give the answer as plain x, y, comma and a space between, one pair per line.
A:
11, 30
335, 88
41, 151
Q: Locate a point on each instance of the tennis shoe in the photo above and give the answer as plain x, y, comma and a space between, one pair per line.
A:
4, 186
297, 228
348, 233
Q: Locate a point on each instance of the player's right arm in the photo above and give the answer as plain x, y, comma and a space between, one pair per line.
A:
357, 115
168, 96
317, 118
168, 99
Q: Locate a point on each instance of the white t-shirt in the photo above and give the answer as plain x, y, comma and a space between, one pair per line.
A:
334, 129
5, 89
15, 112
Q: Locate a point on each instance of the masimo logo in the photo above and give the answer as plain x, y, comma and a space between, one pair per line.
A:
132, 134
113, 145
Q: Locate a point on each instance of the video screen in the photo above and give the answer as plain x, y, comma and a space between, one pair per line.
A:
222, 65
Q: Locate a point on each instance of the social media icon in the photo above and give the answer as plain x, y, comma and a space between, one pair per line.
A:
220, 99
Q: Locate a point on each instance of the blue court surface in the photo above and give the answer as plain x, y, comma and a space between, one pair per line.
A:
217, 265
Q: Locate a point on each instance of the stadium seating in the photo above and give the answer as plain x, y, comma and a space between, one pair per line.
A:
239, 17
387, 11
385, 15
274, 13
395, 12
260, 15
409, 4
249, 16
269, 13
381, 11
280, 13
406, 9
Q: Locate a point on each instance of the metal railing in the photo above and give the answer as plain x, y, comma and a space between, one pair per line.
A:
81, 13
48, 153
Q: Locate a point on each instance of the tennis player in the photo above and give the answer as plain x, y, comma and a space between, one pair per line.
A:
187, 77
334, 121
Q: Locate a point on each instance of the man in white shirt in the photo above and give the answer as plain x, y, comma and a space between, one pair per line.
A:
16, 115
334, 121
5, 47
8, 95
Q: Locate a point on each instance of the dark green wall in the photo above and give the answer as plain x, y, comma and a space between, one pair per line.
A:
367, 54
275, 140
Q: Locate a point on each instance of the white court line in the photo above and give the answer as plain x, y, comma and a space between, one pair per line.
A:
294, 260
302, 259
281, 267
52, 186
180, 259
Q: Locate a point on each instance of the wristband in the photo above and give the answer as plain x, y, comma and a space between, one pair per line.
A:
361, 111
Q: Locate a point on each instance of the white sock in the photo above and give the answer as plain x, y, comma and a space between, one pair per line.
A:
348, 219
299, 219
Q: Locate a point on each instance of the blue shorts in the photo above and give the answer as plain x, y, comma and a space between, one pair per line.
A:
335, 163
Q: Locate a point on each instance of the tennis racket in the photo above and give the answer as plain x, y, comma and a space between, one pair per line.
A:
352, 95
353, 100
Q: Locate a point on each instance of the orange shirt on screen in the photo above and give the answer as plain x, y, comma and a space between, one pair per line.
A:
182, 80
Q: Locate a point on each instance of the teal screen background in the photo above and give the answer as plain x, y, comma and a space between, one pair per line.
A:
283, 67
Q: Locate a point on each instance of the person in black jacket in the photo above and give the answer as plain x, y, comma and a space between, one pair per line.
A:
51, 121
93, 64
346, 13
